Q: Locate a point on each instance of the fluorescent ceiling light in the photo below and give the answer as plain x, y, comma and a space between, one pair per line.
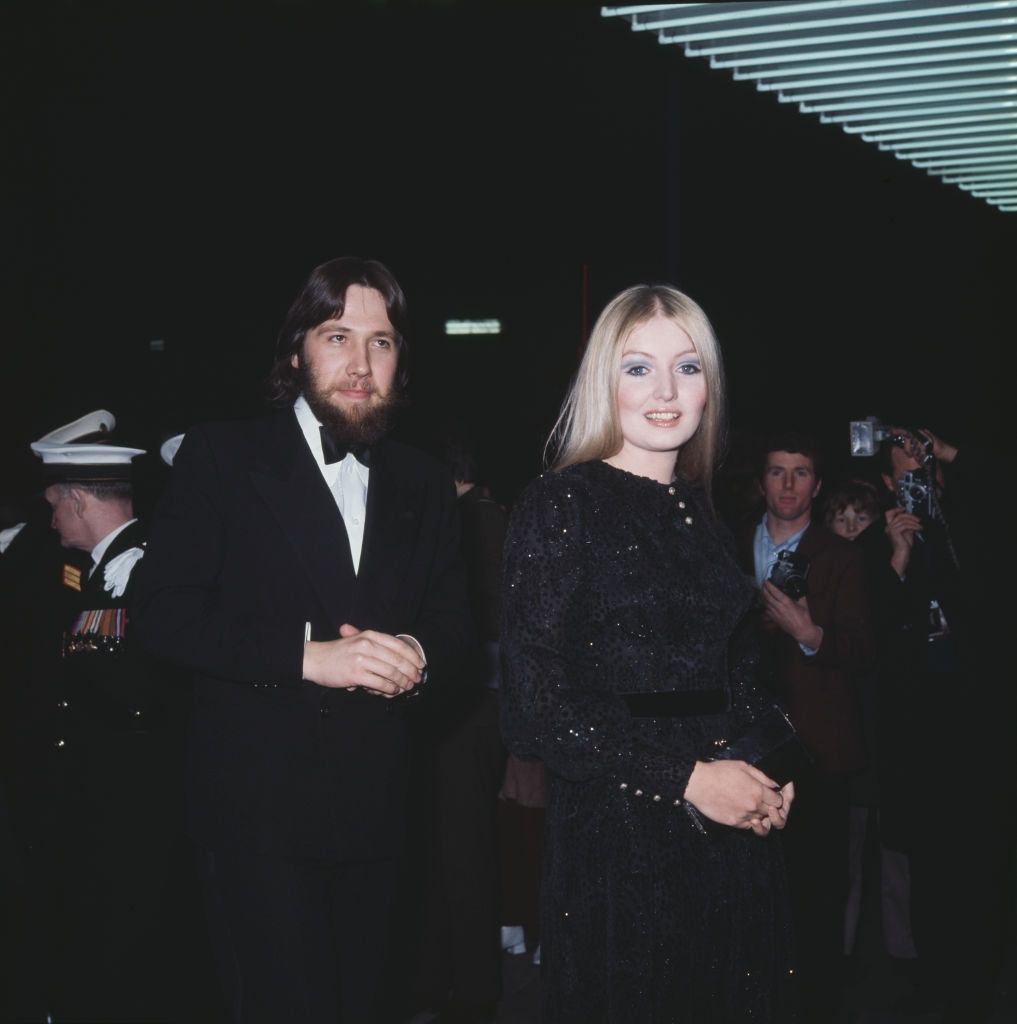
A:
962, 161
928, 122
962, 179
969, 151
864, 51
841, 37
900, 101
950, 108
893, 61
665, 16
628, 10
869, 18
951, 179
931, 83
942, 133
473, 326
898, 89
981, 181
906, 147
887, 76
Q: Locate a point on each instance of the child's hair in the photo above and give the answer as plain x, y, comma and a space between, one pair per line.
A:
857, 494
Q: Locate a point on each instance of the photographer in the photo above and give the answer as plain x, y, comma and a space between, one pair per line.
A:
935, 585
850, 510
816, 639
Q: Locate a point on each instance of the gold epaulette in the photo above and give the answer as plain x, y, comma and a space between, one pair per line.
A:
72, 577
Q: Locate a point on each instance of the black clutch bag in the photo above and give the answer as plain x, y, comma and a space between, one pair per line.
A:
770, 744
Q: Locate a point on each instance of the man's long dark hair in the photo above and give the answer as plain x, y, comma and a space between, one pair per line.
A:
323, 297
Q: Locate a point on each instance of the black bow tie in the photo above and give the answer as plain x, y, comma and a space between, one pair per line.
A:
336, 453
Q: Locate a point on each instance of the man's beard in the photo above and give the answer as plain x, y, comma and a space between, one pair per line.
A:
356, 426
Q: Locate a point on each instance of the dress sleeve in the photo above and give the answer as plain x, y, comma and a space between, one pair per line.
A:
551, 708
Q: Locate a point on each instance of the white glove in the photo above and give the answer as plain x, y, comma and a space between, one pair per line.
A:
118, 570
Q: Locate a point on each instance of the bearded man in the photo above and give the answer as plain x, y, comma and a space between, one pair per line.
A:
307, 571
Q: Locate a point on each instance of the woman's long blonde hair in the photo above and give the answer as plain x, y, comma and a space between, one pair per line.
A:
588, 427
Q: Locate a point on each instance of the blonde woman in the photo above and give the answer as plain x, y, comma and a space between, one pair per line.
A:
663, 894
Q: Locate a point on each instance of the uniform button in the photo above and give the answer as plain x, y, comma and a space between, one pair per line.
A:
681, 504
60, 743
137, 714
325, 710
656, 798
63, 704
639, 792
624, 786
670, 490
688, 520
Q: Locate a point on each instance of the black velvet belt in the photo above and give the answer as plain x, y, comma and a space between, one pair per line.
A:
676, 703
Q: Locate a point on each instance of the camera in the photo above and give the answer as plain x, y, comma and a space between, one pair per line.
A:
789, 573
868, 434
916, 495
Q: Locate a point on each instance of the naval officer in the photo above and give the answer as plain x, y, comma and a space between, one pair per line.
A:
100, 820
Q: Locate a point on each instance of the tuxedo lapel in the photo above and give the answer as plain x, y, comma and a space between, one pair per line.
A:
292, 487
391, 523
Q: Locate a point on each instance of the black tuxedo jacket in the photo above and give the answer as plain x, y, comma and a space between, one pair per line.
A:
247, 546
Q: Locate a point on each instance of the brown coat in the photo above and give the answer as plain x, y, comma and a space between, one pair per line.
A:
819, 692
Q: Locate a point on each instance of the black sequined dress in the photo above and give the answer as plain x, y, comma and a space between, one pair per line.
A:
614, 584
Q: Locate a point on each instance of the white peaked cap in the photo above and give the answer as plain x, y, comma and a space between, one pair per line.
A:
62, 458
168, 451
102, 421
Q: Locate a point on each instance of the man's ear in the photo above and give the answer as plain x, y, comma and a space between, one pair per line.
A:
818, 487
888, 482
295, 360
79, 500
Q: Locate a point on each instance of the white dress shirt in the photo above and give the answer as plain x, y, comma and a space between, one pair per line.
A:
347, 480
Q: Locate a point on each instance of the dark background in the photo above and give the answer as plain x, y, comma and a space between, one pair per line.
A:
173, 171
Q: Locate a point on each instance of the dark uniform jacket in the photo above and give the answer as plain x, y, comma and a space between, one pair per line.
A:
111, 687
97, 795
247, 547
96, 703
